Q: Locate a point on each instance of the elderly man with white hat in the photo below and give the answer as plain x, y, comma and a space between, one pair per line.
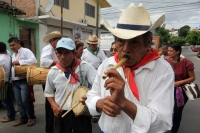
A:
47, 59
137, 97
62, 81
93, 54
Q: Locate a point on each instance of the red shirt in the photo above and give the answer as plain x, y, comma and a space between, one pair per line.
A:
181, 68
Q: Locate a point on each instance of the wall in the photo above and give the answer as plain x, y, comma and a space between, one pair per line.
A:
75, 13
27, 6
7, 26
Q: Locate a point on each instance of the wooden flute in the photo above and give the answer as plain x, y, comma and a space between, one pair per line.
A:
116, 66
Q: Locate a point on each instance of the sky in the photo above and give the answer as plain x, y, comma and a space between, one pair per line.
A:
177, 13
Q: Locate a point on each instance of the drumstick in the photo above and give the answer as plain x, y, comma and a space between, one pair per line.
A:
65, 99
70, 109
116, 66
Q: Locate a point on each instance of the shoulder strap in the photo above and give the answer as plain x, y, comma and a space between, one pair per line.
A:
82, 81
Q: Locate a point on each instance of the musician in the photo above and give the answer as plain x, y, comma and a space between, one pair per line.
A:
22, 56
93, 54
68, 74
138, 96
48, 58
5, 62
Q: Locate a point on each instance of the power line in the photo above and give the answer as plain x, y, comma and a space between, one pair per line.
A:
163, 7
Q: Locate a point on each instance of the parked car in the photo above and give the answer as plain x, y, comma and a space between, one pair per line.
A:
196, 48
198, 53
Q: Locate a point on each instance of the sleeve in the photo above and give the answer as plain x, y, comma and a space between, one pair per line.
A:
46, 57
103, 56
91, 73
156, 116
94, 94
189, 65
29, 58
49, 86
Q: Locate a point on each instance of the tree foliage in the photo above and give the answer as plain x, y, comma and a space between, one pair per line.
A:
163, 33
177, 39
193, 38
183, 31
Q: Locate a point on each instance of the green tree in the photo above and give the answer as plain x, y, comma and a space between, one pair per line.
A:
193, 38
183, 31
163, 33
177, 39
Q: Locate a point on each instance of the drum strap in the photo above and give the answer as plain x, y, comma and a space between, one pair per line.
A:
10, 68
81, 75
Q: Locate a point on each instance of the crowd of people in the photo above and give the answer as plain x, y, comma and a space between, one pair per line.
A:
137, 96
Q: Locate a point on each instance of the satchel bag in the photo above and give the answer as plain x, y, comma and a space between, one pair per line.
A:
192, 91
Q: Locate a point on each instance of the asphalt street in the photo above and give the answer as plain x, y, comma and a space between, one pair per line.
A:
189, 124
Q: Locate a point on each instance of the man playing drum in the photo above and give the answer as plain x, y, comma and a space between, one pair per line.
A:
48, 58
136, 97
6, 97
68, 74
22, 56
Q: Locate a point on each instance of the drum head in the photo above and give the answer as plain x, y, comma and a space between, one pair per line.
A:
2, 77
80, 109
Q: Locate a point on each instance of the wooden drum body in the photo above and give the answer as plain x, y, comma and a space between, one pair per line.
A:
80, 108
22, 70
37, 75
2, 77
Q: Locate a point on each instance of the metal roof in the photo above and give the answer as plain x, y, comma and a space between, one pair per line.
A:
15, 10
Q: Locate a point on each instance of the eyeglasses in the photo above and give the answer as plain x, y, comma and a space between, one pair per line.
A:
113, 49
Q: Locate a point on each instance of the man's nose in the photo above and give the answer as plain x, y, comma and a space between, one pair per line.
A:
126, 47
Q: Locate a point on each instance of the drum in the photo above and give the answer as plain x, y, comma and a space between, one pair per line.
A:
2, 77
37, 75
22, 70
80, 109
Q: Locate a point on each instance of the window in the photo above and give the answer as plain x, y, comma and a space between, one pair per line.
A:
66, 3
89, 10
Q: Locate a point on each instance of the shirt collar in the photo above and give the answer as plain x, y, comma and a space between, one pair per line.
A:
19, 50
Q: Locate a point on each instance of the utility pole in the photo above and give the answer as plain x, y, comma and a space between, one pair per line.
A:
97, 19
61, 6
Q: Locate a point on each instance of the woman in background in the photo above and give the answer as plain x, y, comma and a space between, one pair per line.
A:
79, 48
184, 73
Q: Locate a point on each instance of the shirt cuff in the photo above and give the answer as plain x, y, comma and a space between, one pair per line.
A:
91, 104
48, 95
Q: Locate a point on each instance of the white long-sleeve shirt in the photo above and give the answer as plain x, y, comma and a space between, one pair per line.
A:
47, 56
155, 83
25, 57
58, 86
5, 62
95, 61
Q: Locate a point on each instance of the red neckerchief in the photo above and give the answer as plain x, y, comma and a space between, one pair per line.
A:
74, 76
129, 72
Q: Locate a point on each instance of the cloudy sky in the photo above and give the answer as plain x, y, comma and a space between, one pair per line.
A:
177, 13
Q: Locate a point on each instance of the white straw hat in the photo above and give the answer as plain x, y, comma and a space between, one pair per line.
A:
54, 34
133, 21
93, 39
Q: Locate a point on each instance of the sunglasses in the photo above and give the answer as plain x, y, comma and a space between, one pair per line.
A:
113, 49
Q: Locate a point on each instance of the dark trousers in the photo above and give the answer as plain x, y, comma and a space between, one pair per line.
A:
72, 124
177, 116
49, 116
8, 104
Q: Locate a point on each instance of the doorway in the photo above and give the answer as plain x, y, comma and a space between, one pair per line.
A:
27, 35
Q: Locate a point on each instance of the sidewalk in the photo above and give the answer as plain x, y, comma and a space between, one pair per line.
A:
39, 127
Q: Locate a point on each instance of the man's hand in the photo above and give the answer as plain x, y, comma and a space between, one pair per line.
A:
108, 107
83, 98
116, 85
15, 63
56, 110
